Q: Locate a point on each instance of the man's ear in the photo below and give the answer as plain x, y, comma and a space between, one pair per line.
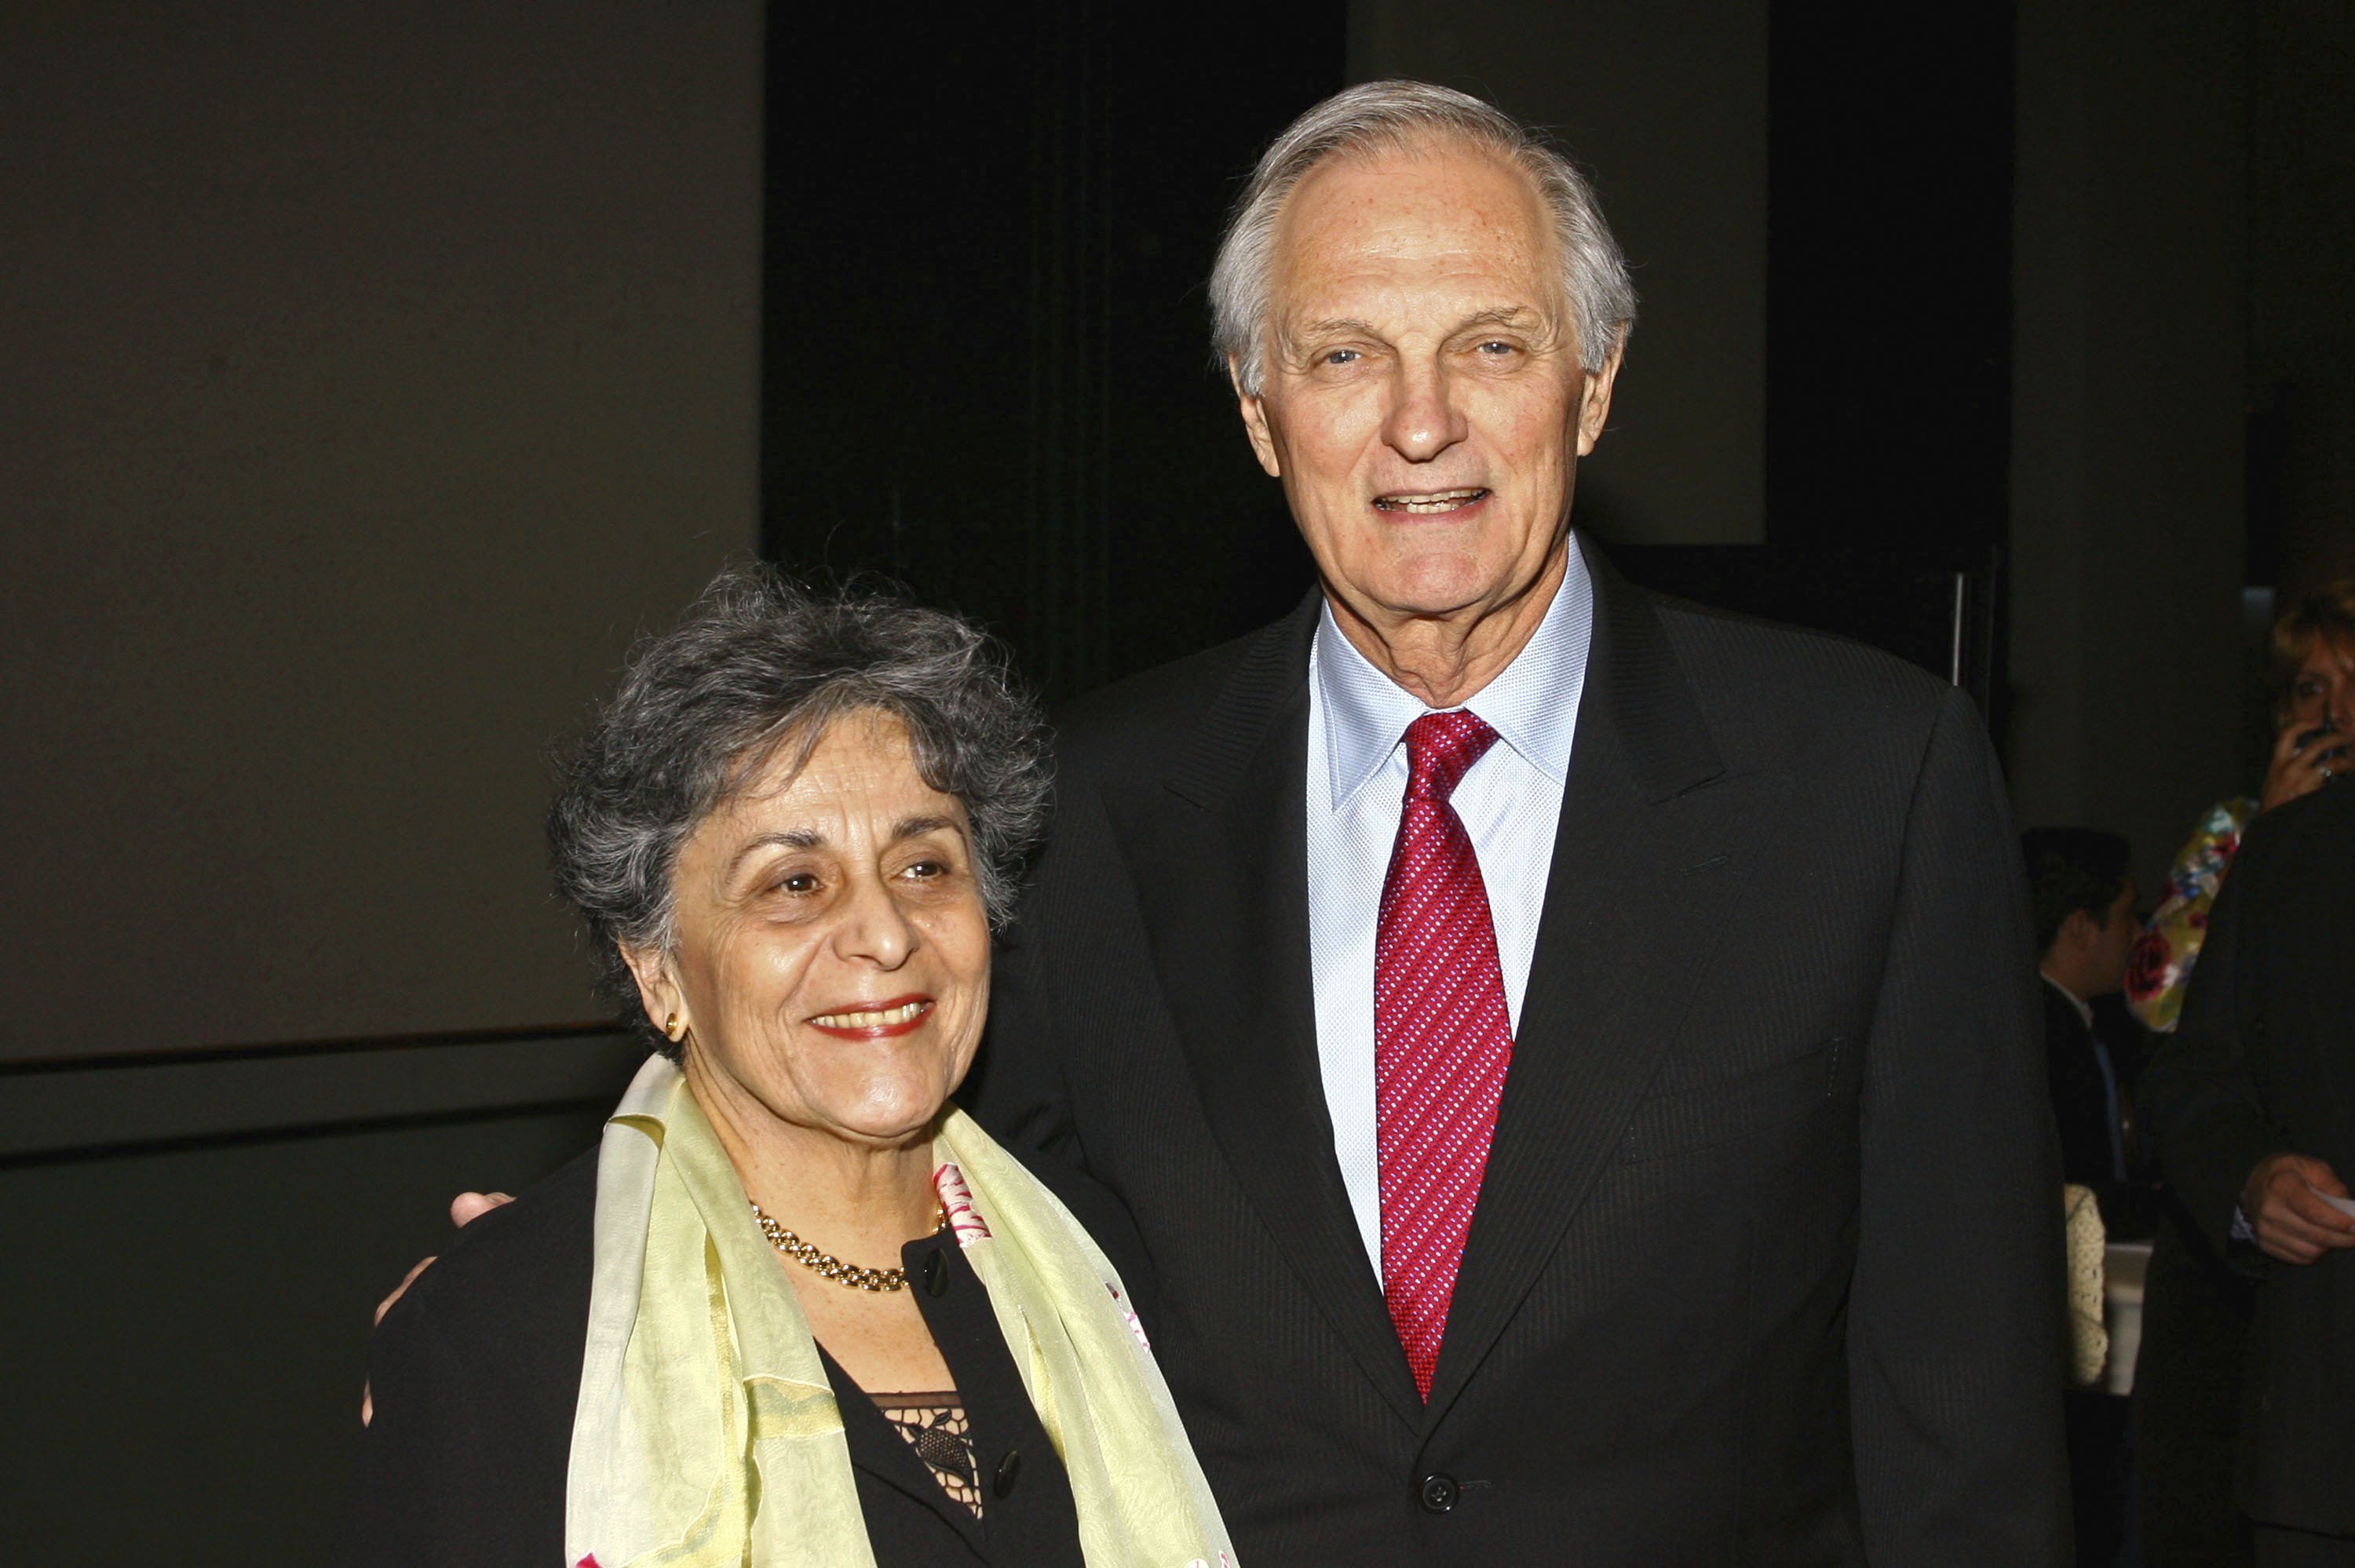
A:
1594, 400
2077, 932
1253, 409
658, 988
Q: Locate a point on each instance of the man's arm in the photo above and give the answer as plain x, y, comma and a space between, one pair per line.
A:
1955, 1333
417, 1482
464, 1210
2226, 1158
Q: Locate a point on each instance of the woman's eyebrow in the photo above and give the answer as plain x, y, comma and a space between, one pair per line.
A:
917, 827
789, 838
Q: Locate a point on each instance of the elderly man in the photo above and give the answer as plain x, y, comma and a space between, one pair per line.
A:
1568, 1054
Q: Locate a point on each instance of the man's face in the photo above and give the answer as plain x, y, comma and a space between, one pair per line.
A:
1422, 401
2114, 941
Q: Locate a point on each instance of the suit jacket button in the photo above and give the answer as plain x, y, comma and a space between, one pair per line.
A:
1009, 1471
936, 1273
1437, 1493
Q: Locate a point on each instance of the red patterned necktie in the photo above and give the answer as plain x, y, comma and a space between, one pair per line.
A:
1442, 1037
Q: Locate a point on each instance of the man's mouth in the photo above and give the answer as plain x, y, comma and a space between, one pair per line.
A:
883, 1018
1430, 502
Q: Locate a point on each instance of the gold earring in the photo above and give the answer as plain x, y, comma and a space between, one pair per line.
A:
673, 1028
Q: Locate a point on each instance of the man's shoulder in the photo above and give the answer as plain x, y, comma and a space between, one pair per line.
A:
1153, 715
1748, 676
1796, 662
1789, 690
2064, 1027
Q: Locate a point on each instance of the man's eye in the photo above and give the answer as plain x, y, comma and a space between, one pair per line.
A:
1497, 349
1342, 356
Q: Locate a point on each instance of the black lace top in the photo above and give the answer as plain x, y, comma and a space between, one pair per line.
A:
934, 1425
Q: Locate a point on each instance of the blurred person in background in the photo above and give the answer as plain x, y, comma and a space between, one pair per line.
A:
2251, 1103
2080, 898
2314, 716
2197, 1305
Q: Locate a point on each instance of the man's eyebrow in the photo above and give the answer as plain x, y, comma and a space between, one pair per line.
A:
1500, 315
1337, 326
1344, 326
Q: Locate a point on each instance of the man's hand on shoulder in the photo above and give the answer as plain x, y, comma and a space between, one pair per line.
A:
2283, 1200
464, 1210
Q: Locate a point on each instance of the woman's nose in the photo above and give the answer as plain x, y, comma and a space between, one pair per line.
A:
875, 928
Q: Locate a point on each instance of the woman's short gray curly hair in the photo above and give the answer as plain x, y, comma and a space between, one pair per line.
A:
1413, 117
760, 664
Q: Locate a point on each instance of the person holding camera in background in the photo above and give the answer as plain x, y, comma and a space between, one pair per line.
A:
2253, 1106
2314, 714
2198, 1304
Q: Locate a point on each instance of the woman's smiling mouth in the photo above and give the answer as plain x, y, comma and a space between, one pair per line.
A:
875, 1021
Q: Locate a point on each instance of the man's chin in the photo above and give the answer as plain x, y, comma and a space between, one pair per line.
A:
1448, 589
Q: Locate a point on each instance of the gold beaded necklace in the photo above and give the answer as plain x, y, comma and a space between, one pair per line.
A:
826, 1266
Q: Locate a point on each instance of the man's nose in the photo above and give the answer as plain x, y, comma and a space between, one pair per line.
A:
1423, 420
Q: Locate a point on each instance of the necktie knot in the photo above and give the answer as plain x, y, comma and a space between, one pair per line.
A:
1441, 749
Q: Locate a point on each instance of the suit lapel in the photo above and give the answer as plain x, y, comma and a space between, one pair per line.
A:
1218, 854
1651, 851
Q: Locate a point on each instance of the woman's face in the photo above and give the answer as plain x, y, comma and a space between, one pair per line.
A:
831, 960
2325, 685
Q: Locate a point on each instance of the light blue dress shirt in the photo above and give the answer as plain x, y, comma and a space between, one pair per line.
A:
1510, 802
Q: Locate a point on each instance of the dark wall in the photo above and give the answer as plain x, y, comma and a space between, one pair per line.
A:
372, 374
1888, 277
987, 364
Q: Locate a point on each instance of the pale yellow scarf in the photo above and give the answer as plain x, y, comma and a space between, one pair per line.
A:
705, 1432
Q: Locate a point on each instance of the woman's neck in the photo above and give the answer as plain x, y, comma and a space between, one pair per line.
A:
862, 1201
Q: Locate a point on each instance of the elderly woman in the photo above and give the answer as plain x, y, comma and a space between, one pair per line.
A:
797, 1308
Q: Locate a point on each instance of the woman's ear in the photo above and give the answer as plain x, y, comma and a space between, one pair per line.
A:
658, 990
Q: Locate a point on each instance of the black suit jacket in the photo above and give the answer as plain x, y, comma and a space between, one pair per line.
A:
1766, 1266
2080, 1105
2263, 1062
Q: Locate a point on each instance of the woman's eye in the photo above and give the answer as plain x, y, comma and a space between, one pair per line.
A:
799, 883
923, 870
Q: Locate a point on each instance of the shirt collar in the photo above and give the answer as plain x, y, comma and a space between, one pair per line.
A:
1533, 704
2085, 1008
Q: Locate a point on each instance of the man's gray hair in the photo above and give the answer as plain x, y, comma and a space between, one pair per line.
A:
1413, 117
761, 665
